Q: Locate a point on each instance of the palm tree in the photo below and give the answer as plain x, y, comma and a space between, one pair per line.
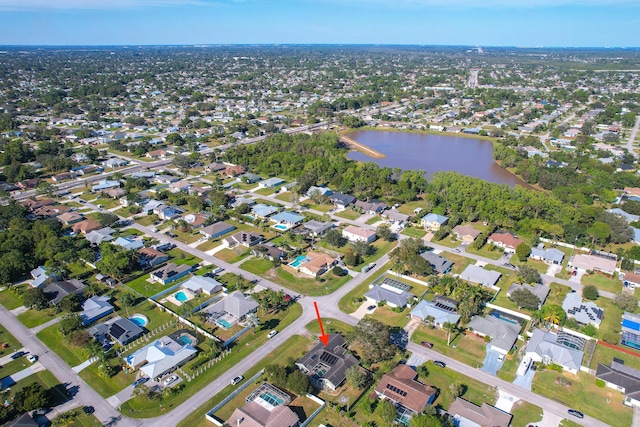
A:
449, 327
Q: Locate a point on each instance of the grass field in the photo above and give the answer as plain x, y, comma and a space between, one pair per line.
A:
311, 287
468, 349
10, 299
232, 255
416, 232
459, 262
485, 252
32, 318
525, 413
382, 247
602, 282
475, 391
349, 214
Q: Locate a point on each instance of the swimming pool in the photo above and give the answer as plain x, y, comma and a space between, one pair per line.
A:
139, 319
501, 316
223, 323
272, 399
299, 260
181, 296
280, 227
185, 340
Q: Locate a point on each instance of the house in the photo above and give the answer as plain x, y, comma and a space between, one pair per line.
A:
433, 221
115, 163
631, 330
622, 378
327, 366
243, 238
129, 243
590, 262
393, 297
178, 186
584, 312
323, 191
151, 257
85, 226
630, 280
214, 167
39, 276
533, 151
503, 333
394, 215
69, 218
104, 234
33, 204
50, 211
165, 179
271, 182
622, 214
195, 220
95, 308
170, 273
235, 307
232, 171
251, 178
314, 264
202, 285
289, 218
115, 193
161, 356
358, 234
263, 211
549, 256
317, 228
539, 290
269, 251
563, 349
156, 154
373, 207
467, 414
216, 229
119, 329
480, 276
341, 201
24, 420
104, 185
168, 212
259, 412
242, 201
151, 206
436, 312
440, 264
466, 233
56, 291
400, 387
507, 241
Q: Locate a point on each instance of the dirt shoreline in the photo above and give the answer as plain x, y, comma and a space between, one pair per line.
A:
352, 143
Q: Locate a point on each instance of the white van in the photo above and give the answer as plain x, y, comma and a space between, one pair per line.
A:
272, 334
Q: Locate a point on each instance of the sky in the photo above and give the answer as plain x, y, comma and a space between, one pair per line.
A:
524, 23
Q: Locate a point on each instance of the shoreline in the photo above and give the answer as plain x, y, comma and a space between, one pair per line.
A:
352, 143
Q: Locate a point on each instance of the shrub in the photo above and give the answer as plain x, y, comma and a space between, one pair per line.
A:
590, 292
600, 383
554, 367
338, 271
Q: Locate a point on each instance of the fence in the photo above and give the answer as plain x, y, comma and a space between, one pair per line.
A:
238, 334
185, 321
209, 416
202, 368
316, 412
145, 338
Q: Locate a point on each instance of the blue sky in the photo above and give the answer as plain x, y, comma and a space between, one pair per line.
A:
606, 23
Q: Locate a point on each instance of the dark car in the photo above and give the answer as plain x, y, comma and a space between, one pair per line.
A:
439, 364
88, 410
17, 355
139, 381
371, 307
426, 344
575, 413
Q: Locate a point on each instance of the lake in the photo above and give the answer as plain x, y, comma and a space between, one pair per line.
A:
434, 153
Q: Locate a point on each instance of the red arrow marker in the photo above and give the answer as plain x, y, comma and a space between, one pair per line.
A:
323, 337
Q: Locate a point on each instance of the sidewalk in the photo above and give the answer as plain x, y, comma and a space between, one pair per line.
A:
51, 322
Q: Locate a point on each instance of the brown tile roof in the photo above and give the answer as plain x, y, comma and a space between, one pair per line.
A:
32, 204
255, 415
484, 416
399, 385
51, 210
507, 239
466, 230
85, 226
69, 217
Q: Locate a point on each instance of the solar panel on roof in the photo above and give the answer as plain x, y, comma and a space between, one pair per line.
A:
116, 330
328, 358
396, 284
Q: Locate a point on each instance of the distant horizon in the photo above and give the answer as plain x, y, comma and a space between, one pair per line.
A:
528, 23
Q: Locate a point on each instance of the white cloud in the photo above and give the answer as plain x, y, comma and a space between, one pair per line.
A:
19, 5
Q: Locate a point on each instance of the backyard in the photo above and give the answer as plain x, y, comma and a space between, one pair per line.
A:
468, 349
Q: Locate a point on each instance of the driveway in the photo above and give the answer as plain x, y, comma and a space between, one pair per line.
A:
578, 277
554, 269
525, 380
362, 310
491, 363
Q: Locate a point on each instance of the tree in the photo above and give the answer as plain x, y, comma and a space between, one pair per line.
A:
524, 298
276, 374
298, 382
426, 420
384, 232
35, 298
362, 248
528, 274
554, 314
626, 301
356, 378
70, 323
386, 411
523, 251
599, 232
589, 330
127, 300
374, 338
30, 397
590, 292
175, 139
456, 389
334, 238
70, 303
407, 258
449, 327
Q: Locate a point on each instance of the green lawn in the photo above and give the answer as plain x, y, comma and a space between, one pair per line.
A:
416, 232
141, 407
287, 196
510, 365
6, 337
410, 207
525, 413
107, 386
327, 283
448, 241
181, 257
187, 237
33, 318
293, 348
381, 248
610, 327
330, 326
604, 404
476, 392
259, 266
322, 208
557, 293
373, 220
53, 338
77, 418
459, 262
351, 301
142, 286
389, 317
349, 214
208, 245
10, 299
468, 349
148, 220
107, 202
605, 355
540, 266
602, 282
232, 255
14, 366
485, 252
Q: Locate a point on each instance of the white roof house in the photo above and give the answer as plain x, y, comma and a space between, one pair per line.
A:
480, 276
162, 355
355, 234
198, 284
394, 297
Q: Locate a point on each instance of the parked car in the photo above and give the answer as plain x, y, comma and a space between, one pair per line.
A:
140, 381
32, 358
371, 307
17, 355
426, 344
272, 334
88, 410
501, 358
439, 364
456, 250
237, 379
575, 413
170, 379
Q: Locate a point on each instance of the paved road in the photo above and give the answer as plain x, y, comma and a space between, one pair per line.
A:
632, 138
